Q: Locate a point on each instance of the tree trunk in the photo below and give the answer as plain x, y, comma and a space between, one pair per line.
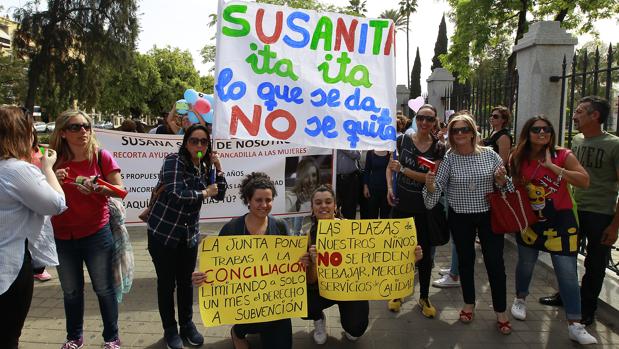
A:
408, 68
511, 61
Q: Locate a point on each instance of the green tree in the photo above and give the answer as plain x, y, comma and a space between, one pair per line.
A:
177, 74
483, 24
69, 43
415, 90
129, 91
407, 7
357, 8
207, 83
399, 20
13, 75
440, 47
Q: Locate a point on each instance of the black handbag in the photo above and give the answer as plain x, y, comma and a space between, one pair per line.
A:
437, 225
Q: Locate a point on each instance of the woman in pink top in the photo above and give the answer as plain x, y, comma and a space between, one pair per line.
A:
83, 232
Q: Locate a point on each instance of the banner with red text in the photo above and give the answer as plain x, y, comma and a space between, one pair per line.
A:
294, 169
316, 78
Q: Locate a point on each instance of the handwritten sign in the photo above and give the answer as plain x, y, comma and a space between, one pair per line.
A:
366, 259
319, 79
252, 279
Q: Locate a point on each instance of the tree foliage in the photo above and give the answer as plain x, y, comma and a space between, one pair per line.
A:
399, 20
407, 7
357, 8
415, 90
69, 43
440, 46
483, 24
12, 79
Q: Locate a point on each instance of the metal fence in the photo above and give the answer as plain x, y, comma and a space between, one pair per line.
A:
590, 74
481, 97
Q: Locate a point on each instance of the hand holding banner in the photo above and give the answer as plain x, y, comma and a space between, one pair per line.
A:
366, 259
252, 279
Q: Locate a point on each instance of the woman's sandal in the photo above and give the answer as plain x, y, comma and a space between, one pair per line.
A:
504, 327
466, 316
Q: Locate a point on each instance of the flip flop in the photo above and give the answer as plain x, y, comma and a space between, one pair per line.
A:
504, 327
466, 317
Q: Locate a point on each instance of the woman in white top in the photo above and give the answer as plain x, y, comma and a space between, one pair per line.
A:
26, 196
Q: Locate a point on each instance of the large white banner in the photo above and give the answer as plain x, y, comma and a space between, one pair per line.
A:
295, 170
315, 78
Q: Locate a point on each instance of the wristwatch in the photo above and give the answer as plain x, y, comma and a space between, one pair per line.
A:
402, 168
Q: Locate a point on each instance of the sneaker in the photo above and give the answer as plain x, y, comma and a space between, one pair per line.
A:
44, 276
446, 281
173, 340
350, 337
427, 309
73, 343
394, 305
519, 309
578, 333
444, 271
320, 330
191, 335
115, 344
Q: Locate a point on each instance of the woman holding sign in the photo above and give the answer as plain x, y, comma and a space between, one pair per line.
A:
353, 314
257, 192
466, 175
173, 230
408, 200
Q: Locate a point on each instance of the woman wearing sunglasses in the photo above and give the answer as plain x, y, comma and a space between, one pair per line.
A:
407, 199
27, 195
546, 170
500, 140
173, 230
82, 232
467, 173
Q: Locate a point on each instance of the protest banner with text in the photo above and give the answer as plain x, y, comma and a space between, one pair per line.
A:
366, 259
252, 278
314, 78
140, 157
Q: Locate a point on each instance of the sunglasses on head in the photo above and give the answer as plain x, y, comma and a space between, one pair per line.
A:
496, 116
77, 127
427, 118
538, 129
197, 141
461, 130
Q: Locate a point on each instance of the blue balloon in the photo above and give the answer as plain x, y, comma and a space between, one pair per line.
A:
193, 118
208, 117
191, 96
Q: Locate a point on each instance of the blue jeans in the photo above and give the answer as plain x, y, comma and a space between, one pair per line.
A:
453, 271
96, 251
567, 277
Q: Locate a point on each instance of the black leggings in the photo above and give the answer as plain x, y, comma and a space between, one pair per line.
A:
15, 303
353, 314
464, 227
273, 334
423, 240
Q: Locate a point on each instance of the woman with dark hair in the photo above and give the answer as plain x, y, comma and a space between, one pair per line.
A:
173, 230
500, 140
82, 232
26, 197
466, 175
298, 198
257, 192
546, 170
408, 200
353, 314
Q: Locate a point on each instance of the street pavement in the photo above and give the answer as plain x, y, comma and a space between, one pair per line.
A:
140, 325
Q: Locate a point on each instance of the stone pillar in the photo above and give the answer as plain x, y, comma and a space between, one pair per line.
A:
438, 82
539, 56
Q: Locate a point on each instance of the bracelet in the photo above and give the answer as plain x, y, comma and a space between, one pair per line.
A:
560, 176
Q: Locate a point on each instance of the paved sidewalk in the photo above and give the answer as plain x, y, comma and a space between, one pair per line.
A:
140, 325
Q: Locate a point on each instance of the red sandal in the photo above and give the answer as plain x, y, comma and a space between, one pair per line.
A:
504, 327
466, 316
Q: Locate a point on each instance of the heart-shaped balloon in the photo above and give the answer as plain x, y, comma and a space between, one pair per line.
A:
202, 106
414, 104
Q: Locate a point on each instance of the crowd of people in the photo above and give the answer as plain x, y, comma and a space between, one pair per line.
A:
46, 205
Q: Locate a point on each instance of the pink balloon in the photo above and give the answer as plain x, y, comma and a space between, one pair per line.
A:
202, 106
416, 103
